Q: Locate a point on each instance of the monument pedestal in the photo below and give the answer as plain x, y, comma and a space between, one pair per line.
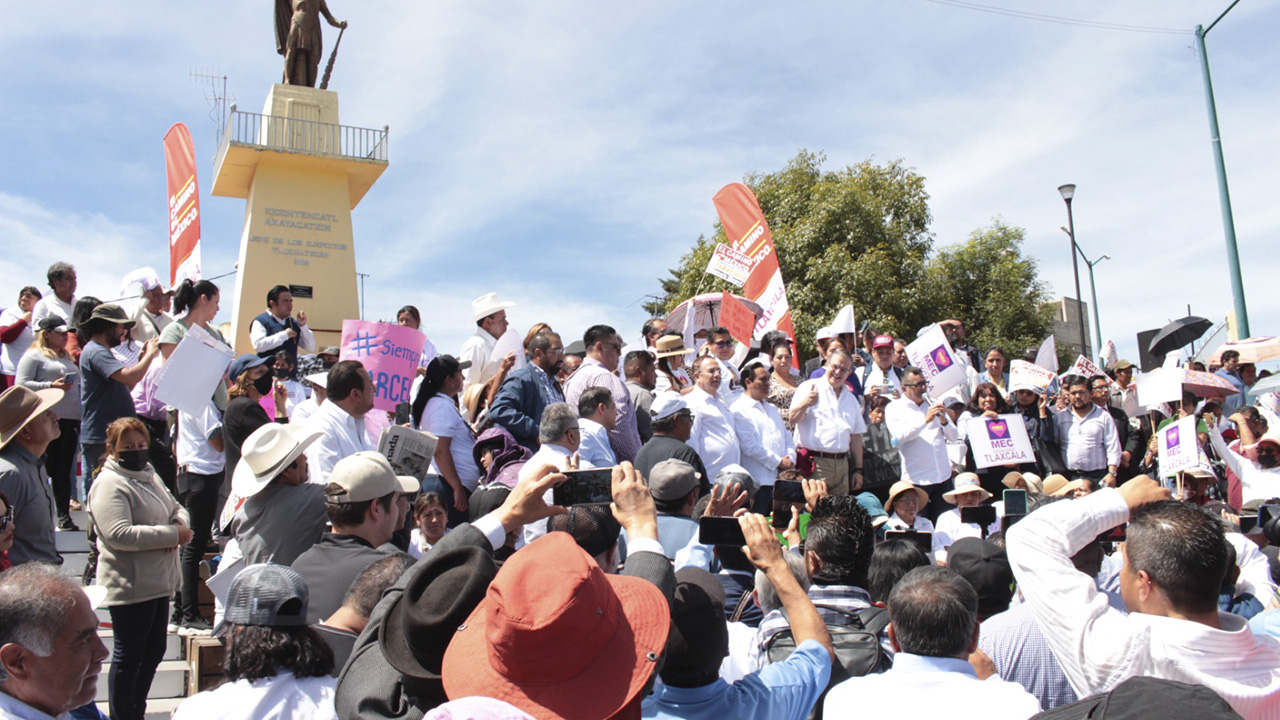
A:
301, 174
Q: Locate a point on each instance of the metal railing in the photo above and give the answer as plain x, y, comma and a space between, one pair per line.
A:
304, 136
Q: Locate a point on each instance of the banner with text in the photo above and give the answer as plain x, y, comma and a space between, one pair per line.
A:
736, 318
1001, 440
389, 352
1085, 367
748, 233
933, 355
1178, 449
184, 205
1030, 376
729, 264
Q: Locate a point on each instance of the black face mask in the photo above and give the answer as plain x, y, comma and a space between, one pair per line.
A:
263, 384
133, 460
1267, 460
282, 373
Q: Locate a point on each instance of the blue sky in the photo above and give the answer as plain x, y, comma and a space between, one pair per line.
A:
565, 153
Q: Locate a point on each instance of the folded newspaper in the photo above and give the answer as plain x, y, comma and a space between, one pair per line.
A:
409, 451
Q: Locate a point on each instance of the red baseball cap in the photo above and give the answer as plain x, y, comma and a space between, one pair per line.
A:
882, 341
557, 637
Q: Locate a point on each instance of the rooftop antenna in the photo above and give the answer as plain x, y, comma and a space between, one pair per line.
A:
215, 94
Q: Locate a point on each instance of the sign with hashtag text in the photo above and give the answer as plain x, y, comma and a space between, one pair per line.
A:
389, 352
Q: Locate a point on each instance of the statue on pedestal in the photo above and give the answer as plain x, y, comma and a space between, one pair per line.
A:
299, 40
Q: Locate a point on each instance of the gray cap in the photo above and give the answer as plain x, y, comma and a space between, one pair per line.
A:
267, 594
672, 479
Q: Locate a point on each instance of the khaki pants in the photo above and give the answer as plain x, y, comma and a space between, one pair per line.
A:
833, 471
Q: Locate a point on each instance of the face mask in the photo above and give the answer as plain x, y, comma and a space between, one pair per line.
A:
263, 384
282, 373
1266, 460
133, 460
698, 343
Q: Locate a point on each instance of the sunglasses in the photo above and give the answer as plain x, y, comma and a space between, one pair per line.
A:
6, 520
723, 343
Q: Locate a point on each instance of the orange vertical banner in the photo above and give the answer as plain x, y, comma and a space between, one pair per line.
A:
748, 233
184, 205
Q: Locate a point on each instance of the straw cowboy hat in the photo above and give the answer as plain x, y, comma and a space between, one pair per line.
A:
1033, 481
19, 405
669, 345
966, 482
903, 486
486, 305
266, 453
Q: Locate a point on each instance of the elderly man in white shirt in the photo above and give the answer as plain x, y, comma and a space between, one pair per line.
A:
341, 419
766, 446
713, 436
1174, 558
559, 435
922, 430
933, 614
829, 425
489, 313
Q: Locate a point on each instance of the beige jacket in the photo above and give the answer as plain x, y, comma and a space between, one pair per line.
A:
134, 513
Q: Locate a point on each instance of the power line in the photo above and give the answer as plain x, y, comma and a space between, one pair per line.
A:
1060, 20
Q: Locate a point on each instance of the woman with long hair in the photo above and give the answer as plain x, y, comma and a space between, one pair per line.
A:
986, 404
139, 525
47, 364
194, 303
995, 372
454, 473
670, 352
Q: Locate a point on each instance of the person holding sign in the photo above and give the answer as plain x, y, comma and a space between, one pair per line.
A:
829, 425
922, 430
987, 404
1090, 442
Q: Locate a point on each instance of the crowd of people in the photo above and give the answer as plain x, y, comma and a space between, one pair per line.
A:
775, 539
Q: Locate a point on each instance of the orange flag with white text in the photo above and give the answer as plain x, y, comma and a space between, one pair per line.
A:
184, 205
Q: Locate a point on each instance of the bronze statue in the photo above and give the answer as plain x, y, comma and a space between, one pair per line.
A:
299, 40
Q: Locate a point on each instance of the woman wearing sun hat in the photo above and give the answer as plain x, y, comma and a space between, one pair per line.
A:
968, 492
904, 505
670, 351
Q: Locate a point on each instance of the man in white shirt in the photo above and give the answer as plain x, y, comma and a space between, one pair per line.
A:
713, 436
766, 446
62, 278
933, 628
1088, 435
489, 313
341, 419
1174, 560
277, 329
559, 435
922, 430
1124, 394
597, 415
721, 343
829, 425
880, 376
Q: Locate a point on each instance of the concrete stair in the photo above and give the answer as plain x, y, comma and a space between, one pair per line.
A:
170, 686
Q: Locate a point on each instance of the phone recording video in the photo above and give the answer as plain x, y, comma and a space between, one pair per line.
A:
717, 530
584, 487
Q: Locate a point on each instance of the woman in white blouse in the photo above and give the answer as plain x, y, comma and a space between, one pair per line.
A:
904, 505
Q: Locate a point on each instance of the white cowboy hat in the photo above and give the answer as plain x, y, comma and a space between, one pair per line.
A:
266, 453
486, 305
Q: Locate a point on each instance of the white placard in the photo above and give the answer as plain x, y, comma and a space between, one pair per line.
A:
1177, 447
188, 378
933, 355
729, 264
1159, 386
1047, 355
1085, 368
1001, 440
510, 342
1023, 374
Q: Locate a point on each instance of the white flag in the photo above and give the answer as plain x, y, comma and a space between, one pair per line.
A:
1109, 356
1047, 357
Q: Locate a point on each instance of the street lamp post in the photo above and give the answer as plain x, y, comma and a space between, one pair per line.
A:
1093, 290
1068, 191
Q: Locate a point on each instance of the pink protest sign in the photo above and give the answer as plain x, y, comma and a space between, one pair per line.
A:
389, 352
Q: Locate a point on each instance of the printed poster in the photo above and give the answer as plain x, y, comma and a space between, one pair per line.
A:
932, 353
389, 352
1001, 440
1177, 447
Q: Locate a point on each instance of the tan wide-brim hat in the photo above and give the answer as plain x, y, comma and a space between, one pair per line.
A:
1059, 485
266, 453
1034, 484
18, 405
669, 345
966, 482
900, 487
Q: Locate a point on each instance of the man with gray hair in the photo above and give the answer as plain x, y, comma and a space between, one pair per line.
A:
933, 615
560, 436
829, 425
50, 652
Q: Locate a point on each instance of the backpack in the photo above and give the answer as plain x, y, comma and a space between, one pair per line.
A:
857, 647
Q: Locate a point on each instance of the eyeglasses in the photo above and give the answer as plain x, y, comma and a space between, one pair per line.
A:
723, 343
6, 520
614, 345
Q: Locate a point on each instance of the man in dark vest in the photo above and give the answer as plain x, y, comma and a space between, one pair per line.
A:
276, 330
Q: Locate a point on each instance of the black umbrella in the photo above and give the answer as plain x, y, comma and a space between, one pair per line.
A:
1178, 334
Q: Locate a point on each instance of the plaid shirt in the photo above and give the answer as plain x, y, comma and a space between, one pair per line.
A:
844, 597
1013, 641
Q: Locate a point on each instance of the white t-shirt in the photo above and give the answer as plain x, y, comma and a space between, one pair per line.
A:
51, 305
441, 418
11, 353
194, 450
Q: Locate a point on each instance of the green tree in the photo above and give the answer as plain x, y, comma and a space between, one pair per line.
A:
861, 235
